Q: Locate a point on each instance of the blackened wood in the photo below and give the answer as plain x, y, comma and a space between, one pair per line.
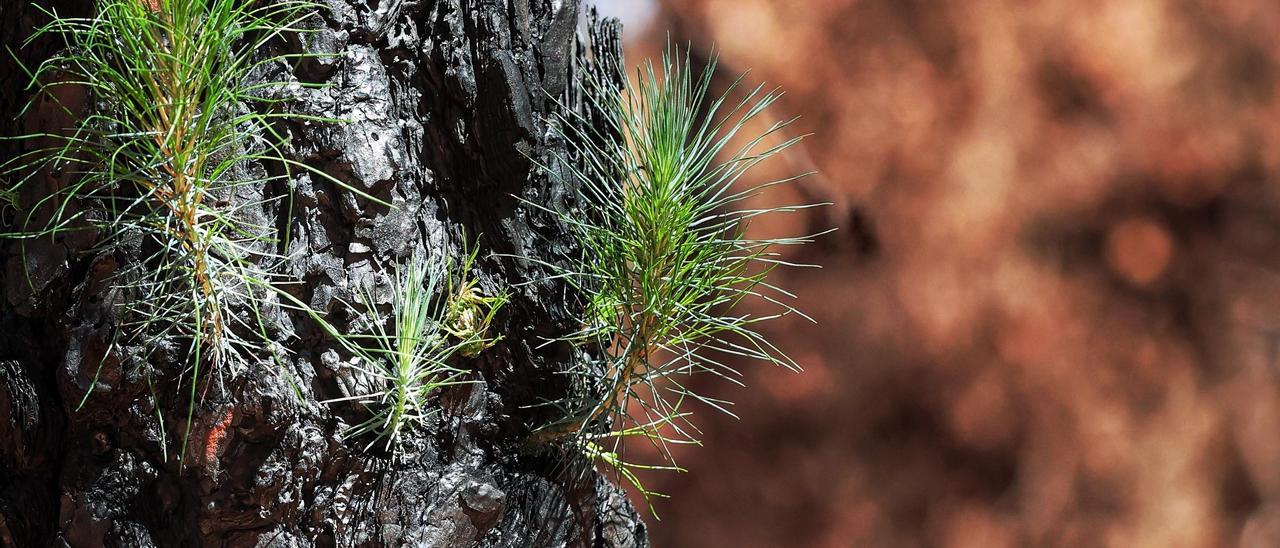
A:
446, 106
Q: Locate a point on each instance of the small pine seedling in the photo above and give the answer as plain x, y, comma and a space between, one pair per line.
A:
469, 312
665, 258
174, 123
436, 314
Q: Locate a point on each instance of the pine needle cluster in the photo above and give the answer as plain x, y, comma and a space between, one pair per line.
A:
665, 256
165, 165
437, 315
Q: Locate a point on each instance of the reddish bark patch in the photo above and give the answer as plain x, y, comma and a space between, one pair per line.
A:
216, 437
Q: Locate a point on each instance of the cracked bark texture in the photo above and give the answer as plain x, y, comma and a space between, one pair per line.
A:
446, 106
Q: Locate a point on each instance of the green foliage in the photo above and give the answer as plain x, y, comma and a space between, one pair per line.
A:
469, 312
665, 256
436, 314
161, 162
605, 449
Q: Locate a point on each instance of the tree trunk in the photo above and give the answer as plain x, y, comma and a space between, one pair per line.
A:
445, 105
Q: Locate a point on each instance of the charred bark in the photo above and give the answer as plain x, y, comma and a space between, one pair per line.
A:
446, 106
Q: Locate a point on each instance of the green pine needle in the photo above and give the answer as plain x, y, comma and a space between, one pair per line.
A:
174, 123
665, 257
437, 314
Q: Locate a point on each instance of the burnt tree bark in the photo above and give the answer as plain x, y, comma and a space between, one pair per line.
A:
447, 105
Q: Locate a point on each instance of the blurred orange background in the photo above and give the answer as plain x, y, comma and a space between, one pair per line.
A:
1051, 313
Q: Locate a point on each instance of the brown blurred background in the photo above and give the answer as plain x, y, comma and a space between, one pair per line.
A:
1051, 313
